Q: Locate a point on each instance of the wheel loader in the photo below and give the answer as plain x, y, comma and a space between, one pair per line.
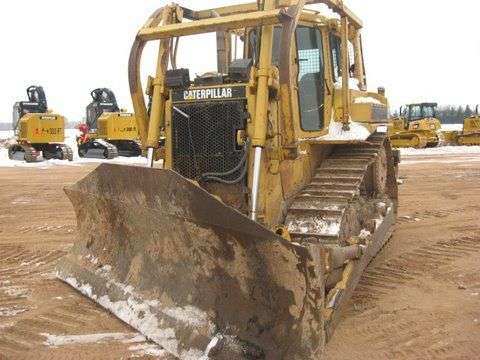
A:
276, 190
416, 127
470, 134
109, 131
40, 133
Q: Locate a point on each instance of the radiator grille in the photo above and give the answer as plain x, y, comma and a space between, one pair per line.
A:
206, 143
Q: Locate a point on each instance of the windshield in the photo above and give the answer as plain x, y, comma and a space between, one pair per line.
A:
418, 112
415, 112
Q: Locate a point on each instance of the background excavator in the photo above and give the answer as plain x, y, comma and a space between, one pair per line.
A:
416, 127
39, 132
275, 194
109, 131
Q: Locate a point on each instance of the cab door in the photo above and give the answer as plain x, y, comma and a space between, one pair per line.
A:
311, 73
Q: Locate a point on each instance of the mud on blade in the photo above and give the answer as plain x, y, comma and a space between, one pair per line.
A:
190, 273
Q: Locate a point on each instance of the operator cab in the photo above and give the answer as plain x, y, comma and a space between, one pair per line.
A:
37, 103
103, 101
414, 112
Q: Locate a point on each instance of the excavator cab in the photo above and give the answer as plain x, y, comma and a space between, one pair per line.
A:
109, 131
37, 103
248, 229
103, 100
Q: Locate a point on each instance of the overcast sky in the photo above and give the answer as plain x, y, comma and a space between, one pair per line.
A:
418, 49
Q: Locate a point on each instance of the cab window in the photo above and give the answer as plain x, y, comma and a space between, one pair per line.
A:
310, 78
415, 112
428, 112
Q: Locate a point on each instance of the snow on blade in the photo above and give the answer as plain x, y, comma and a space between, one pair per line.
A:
62, 340
139, 314
147, 350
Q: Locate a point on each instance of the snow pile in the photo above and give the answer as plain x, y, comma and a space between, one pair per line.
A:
442, 150
367, 100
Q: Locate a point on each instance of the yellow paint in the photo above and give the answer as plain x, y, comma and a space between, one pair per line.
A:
417, 134
471, 131
42, 128
117, 126
290, 154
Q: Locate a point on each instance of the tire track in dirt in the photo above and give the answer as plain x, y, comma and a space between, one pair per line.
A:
408, 337
379, 280
435, 214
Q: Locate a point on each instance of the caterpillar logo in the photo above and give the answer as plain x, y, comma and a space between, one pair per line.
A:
208, 94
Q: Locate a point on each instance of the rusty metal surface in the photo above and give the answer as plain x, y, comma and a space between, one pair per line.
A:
193, 275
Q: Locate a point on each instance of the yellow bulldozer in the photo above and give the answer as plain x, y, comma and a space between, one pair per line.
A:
276, 190
40, 133
470, 134
415, 127
109, 131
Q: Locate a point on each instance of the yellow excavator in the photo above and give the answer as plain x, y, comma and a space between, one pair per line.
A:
470, 134
416, 127
40, 133
276, 190
108, 131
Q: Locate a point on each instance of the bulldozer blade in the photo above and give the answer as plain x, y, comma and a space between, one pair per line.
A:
190, 273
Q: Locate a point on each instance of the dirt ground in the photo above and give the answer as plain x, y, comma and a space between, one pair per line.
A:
420, 299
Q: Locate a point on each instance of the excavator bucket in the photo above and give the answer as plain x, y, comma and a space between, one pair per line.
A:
190, 273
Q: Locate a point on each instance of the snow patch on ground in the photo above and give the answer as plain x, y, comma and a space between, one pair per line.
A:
452, 127
441, 150
16, 291
13, 311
